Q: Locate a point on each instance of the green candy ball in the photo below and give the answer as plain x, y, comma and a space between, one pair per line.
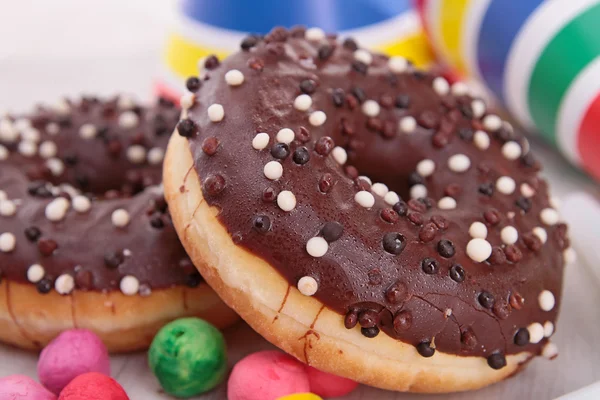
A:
188, 357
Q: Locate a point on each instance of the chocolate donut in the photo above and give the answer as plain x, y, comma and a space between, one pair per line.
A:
367, 217
86, 240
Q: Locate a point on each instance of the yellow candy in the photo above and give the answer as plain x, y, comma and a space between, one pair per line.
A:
301, 396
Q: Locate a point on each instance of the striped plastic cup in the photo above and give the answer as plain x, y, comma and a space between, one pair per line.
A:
204, 27
540, 58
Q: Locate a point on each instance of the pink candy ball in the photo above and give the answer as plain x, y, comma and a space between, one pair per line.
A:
72, 353
93, 386
267, 375
329, 385
17, 387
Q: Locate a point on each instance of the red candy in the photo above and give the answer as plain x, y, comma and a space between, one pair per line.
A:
93, 386
329, 385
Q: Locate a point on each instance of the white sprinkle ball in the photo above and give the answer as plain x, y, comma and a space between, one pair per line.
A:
339, 155
459, 163
569, 256
527, 190
31, 134
27, 148
364, 199
546, 300
460, 89
418, 191
8, 242
506, 185
129, 285
511, 150
260, 141
536, 332
398, 64
314, 34
481, 140
81, 204
56, 166
441, 86
317, 246
285, 135
478, 230
3, 153
379, 189
120, 218
35, 273
548, 328
492, 122
216, 113
62, 107
408, 124
425, 167
57, 209
286, 200
273, 170
156, 156
128, 119
308, 286
187, 100
64, 284
549, 216
509, 235
136, 154
52, 128
366, 179
8, 132
479, 249
363, 56
88, 131
447, 203
317, 118
125, 102
234, 77
478, 108
302, 102
550, 350
540, 233
48, 149
7, 208
391, 198
371, 108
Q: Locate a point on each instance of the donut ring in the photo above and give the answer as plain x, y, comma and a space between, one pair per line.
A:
452, 290
86, 240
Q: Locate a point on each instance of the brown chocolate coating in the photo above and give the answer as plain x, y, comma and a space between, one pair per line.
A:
86, 244
407, 271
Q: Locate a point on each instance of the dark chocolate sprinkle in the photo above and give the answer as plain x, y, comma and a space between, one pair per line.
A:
466, 134
33, 233
425, 349
457, 273
193, 84
497, 361
332, 231
370, 332
486, 299
394, 243
44, 286
360, 67
401, 208
325, 52
193, 279
486, 189
446, 248
301, 155
113, 259
522, 337
337, 95
523, 203
187, 128
350, 44
308, 86
211, 62
262, 223
280, 151
249, 42
403, 101
359, 94
430, 266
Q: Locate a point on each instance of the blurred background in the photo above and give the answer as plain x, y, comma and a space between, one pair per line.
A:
537, 60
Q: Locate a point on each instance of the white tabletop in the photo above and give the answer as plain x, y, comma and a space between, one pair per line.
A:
68, 47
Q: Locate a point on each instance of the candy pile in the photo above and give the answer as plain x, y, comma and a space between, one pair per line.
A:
74, 366
187, 356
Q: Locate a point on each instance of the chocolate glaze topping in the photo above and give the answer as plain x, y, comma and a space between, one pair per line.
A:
294, 136
79, 205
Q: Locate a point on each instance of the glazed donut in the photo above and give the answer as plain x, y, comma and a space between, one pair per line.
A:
86, 240
368, 218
